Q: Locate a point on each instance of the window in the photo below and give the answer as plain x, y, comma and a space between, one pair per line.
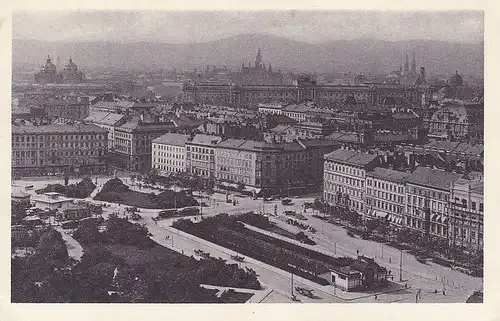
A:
480, 207
473, 205
464, 202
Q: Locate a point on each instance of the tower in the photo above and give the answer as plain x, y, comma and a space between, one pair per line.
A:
258, 60
414, 64
270, 69
405, 66
58, 64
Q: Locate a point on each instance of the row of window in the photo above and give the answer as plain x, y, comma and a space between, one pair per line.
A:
201, 150
385, 185
169, 148
344, 180
385, 195
23, 138
378, 204
345, 169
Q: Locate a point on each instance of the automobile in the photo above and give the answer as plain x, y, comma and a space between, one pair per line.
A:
28, 187
290, 213
286, 201
167, 213
238, 258
351, 234
304, 292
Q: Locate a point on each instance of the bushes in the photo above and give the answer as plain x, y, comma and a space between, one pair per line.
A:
115, 191
81, 190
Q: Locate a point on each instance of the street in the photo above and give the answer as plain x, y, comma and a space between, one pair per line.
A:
430, 278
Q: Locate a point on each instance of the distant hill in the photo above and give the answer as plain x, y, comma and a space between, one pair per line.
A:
364, 55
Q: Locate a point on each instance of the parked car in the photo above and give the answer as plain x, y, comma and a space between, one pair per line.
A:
286, 201
290, 213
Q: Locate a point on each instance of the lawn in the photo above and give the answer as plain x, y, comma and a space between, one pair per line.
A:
134, 255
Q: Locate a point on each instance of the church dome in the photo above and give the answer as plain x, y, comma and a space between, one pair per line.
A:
71, 65
49, 65
455, 80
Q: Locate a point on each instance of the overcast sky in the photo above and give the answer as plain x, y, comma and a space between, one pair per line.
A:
308, 26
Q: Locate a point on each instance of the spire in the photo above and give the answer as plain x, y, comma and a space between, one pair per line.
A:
413, 64
405, 66
258, 59
270, 69
70, 60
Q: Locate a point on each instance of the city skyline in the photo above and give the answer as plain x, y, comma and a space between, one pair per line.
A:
185, 27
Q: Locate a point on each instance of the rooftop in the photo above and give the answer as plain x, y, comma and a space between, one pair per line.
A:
201, 139
351, 157
172, 139
388, 174
57, 129
433, 178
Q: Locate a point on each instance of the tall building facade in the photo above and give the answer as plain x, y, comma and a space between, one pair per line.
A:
169, 153
56, 149
466, 212
345, 176
133, 144
385, 195
427, 197
200, 155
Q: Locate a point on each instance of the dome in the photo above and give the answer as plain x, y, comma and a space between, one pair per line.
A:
49, 65
455, 80
71, 65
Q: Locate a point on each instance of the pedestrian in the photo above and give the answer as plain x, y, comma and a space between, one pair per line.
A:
376, 297
390, 260
406, 285
444, 293
392, 277
435, 291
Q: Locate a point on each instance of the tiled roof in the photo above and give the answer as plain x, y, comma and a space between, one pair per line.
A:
172, 139
433, 178
388, 174
57, 128
351, 157
205, 139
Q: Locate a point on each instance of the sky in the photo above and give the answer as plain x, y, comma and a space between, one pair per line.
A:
192, 26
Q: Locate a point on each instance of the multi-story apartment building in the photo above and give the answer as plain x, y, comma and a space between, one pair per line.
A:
70, 108
133, 143
200, 155
108, 121
41, 150
169, 153
385, 194
466, 212
288, 167
344, 178
427, 197
235, 160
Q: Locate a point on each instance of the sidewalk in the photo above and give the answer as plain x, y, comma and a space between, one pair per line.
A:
75, 250
257, 297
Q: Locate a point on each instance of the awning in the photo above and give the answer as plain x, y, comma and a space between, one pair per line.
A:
380, 214
445, 221
257, 190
